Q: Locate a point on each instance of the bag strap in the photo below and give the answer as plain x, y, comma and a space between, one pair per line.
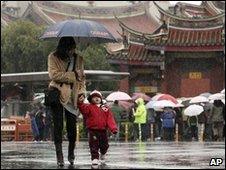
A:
61, 84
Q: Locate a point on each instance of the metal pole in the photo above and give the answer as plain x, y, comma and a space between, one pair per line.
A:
139, 131
201, 132
176, 139
126, 132
77, 133
16, 131
152, 134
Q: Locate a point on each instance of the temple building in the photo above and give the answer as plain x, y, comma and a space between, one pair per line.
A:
177, 49
183, 57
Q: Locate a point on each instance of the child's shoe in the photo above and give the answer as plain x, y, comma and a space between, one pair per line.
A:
95, 162
102, 158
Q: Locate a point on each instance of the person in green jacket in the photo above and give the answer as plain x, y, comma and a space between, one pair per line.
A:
140, 120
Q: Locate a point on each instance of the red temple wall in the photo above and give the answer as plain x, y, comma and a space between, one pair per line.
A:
190, 77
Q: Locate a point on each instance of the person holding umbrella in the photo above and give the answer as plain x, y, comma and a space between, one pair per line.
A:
66, 71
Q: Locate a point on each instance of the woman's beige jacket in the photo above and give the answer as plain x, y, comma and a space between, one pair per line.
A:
57, 73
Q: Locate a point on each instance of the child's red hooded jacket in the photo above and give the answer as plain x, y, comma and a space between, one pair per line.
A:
97, 117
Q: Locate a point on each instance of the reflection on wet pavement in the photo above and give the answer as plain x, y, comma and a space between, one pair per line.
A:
170, 155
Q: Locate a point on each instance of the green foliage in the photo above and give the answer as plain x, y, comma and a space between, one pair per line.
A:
95, 57
21, 49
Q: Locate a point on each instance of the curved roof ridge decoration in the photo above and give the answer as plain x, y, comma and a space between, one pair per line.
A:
89, 16
188, 19
37, 9
3, 22
144, 35
210, 6
126, 11
187, 4
88, 6
195, 29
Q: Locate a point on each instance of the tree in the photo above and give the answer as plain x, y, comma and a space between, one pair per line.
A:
21, 49
95, 59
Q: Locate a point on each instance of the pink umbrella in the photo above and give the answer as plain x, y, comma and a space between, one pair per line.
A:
141, 95
118, 96
126, 105
165, 97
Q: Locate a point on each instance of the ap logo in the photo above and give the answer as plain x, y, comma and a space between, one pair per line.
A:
216, 161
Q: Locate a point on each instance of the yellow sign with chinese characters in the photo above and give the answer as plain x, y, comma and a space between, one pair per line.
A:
146, 89
195, 75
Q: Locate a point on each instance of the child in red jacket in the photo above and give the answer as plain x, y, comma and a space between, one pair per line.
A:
98, 119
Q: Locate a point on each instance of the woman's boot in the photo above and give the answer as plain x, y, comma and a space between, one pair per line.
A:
59, 154
71, 155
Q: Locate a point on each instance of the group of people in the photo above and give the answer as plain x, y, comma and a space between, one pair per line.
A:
41, 122
211, 121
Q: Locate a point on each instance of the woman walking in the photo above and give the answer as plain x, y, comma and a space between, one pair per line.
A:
66, 72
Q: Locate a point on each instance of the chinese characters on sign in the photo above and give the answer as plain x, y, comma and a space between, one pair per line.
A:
195, 75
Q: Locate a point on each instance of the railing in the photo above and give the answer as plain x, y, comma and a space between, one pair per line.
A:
18, 129
15, 129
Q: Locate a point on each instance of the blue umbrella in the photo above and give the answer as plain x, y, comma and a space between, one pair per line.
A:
81, 30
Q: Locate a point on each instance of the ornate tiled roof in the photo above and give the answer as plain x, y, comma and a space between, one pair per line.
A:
136, 22
179, 32
191, 37
183, 18
136, 53
92, 11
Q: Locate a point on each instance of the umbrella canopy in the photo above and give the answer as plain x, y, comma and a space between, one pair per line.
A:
126, 105
199, 99
217, 96
118, 96
155, 98
40, 97
141, 95
223, 91
150, 104
81, 30
193, 110
207, 94
179, 105
163, 103
165, 97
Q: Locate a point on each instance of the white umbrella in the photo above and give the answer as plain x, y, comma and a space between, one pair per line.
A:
223, 91
193, 110
118, 96
155, 98
179, 105
217, 96
198, 99
207, 94
150, 104
163, 103
39, 98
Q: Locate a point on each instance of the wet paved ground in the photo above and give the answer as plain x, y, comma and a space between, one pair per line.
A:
170, 155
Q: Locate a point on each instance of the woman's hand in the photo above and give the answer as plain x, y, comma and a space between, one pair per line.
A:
79, 75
